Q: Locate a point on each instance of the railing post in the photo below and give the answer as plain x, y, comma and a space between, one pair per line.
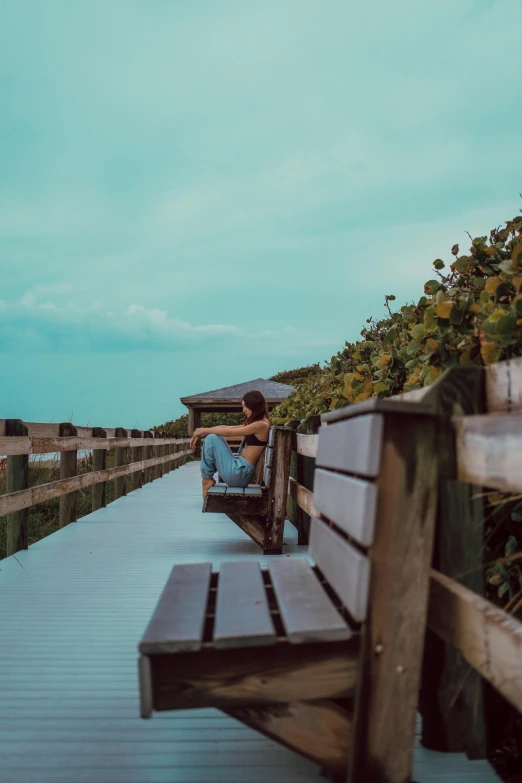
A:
157, 453
99, 462
305, 477
291, 504
451, 695
68, 469
120, 458
136, 456
17, 479
148, 453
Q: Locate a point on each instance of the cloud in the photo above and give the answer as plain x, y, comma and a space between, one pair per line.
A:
41, 325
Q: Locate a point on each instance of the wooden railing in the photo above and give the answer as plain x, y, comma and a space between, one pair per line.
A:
480, 449
144, 456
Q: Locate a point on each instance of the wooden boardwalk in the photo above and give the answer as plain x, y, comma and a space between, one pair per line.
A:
72, 610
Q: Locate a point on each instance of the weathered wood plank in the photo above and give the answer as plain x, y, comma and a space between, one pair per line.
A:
486, 636
120, 458
345, 569
305, 476
320, 730
349, 502
352, 446
36, 445
136, 453
178, 621
274, 674
504, 386
230, 503
68, 469
307, 612
278, 491
17, 480
29, 497
242, 613
394, 637
99, 462
489, 451
251, 524
302, 496
307, 445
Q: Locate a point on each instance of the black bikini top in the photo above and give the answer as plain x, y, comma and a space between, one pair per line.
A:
253, 440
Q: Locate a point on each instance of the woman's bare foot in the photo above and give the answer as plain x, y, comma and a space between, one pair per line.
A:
206, 484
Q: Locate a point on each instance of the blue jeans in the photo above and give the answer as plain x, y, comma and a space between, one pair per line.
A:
216, 456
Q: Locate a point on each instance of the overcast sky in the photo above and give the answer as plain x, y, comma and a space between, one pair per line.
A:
194, 193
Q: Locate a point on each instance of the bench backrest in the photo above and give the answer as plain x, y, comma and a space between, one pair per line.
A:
375, 490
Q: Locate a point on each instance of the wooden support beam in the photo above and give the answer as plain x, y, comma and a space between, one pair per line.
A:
318, 730
99, 462
394, 638
120, 458
136, 456
278, 492
253, 526
305, 475
148, 453
68, 469
17, 479
266, 675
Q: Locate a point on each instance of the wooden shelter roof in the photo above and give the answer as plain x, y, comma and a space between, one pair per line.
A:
232, 395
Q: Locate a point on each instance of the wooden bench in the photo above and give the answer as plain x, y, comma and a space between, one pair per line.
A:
259, 509
323, 658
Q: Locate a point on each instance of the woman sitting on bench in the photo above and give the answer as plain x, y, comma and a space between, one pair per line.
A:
236, 470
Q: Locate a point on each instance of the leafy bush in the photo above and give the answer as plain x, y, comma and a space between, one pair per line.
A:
470, 314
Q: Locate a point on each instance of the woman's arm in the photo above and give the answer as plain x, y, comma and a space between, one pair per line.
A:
229, 432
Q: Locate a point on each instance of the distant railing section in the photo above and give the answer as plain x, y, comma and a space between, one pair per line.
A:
143, 455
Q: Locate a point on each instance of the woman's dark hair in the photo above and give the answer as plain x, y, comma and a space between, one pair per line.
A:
255, 402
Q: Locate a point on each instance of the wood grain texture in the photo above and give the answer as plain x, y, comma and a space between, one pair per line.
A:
307, 445
345, 569
349, 502
487, 637
265, 675
278, 490
30, 497
39, 445
136, 455
394, 635
320, 731
504, 387
489, 450
178, 620
68, 469
224, 503
99, 462
305, 476
120, 459
17, 480
303, 497
254, 526
242, 613
307, 612
352, 446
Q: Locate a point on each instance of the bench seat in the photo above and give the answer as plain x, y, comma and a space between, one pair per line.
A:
302, 655
223, 499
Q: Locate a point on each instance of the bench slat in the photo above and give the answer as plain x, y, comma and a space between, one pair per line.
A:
269, 453
349, 502
218, 489
242, 613
178, 620
252, 489
346, 570
352, 446
306, 610
235, 490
